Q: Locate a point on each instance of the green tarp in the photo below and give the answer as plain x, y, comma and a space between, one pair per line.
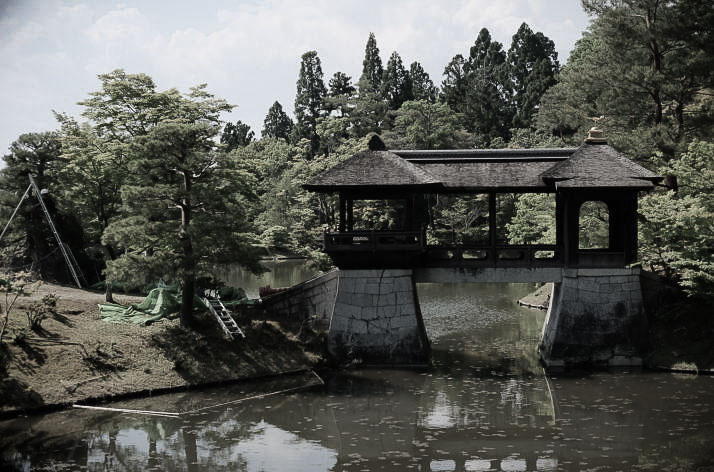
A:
163, 302
160, 303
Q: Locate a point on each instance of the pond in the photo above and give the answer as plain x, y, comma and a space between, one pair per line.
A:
485, 405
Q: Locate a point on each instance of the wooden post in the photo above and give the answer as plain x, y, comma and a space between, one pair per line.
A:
559, 220
343, 210
630, 217
350, 215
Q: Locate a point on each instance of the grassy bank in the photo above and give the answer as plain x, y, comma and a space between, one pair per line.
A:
76, 357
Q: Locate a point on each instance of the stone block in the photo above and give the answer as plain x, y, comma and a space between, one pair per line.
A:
371, 288
589, 283
369, 312
406, 309
386, 310
361, 299
386, 299
346, 285
631, 285
403, 284
404, 298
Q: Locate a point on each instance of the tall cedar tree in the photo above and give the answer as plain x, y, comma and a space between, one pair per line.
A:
396, 83
236, 135
277, 123
309, 98
185, 204
422, 86
340, 95
477, 88
372, 70
454, 85
533, 66
487, 102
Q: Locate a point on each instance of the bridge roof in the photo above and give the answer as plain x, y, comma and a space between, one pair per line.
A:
592, 165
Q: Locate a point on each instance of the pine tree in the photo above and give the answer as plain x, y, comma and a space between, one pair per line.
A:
236, 135
422, 86
309, 99
532, 66
277, 123
396, 83
372, 69
185, 203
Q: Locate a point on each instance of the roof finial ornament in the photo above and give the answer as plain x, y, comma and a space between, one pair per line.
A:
376, 143
596, 136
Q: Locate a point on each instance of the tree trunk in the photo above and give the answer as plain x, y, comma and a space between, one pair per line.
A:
187, 261
108, 295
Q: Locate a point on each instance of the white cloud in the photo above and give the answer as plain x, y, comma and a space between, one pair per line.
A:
248, 52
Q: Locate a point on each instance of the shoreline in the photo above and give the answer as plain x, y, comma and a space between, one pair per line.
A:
75, 357
90, 361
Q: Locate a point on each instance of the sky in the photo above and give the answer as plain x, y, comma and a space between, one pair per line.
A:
247, 51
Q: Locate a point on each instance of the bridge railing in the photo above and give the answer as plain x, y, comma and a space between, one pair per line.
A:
376, 241
524, 255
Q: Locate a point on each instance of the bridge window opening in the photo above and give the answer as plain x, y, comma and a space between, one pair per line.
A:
458, 219
380, 215
594, 226
529, 218
505, 211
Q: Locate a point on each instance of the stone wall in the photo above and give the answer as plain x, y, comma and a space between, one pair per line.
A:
447, 275
596, 316
376, 318
313, 298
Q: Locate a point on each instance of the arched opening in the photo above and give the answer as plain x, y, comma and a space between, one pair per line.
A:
594, 226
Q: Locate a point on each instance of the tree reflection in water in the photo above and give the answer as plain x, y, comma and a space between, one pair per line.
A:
485, 405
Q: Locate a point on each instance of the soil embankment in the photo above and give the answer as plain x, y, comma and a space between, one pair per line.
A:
77, 357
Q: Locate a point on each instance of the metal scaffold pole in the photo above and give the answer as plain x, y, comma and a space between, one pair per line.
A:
67, 259
24, 195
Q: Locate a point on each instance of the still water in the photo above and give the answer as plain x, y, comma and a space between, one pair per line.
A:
486, 405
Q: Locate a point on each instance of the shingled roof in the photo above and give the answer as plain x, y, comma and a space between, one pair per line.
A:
599, 165
373, 169
592, 165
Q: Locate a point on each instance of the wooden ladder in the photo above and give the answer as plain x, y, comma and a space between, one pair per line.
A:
223, 318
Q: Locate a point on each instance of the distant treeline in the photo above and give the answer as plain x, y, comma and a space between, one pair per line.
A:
151, 184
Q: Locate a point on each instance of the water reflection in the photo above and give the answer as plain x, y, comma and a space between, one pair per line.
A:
486, 405
282, 273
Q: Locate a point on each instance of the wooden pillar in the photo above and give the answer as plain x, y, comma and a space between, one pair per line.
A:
630, 217
410, 216
571, 228
350, 215
559, 220
492, 221
343, 211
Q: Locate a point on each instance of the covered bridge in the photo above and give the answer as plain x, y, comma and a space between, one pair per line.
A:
592, 172
596, 312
